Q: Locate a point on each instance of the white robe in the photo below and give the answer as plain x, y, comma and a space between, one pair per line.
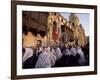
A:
52, 57
43, 61
39, 50
46, 59
28, 53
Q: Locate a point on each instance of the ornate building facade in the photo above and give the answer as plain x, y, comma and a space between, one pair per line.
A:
78, 30
52, 29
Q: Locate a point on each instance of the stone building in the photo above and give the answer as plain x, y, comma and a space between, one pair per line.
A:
78, 30
51, 28
34, 27
56, 23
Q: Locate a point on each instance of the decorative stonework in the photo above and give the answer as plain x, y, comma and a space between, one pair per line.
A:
58, 29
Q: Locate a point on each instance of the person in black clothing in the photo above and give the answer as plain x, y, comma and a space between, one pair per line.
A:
73, 60
31, 62
64, 60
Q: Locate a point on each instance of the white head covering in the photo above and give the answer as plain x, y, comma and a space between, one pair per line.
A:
40, 49
48, 49
58, 53
52, 57
67, 52
28, 54
73, 51
82, 57
53, 51
43, 61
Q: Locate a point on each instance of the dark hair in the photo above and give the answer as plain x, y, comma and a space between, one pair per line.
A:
39, 41
72, 24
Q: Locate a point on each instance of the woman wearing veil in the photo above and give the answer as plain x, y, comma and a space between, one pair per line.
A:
46, 59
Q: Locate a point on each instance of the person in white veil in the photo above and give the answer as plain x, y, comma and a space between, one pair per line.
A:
82, 57
43, 60
52, 56
67, 51
53, 51
28, 53
58, 53
56, 50
73, 51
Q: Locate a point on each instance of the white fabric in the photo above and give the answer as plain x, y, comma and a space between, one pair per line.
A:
53, 51
82, 57
67, 52
58, 53
28, 53
46, 59
43, 61
73, 51
39, 50
52, 57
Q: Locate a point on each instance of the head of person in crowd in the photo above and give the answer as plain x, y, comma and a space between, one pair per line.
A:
67, 52
49, 49
69, 45
79, 51
66, 45
43, 59
73, 50
52, 50
44, 48
28, 53
41, 49
58, 53
39, 43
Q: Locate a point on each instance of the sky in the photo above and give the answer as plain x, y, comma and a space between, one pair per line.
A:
84, 20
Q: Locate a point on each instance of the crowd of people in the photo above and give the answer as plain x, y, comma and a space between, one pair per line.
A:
46, 57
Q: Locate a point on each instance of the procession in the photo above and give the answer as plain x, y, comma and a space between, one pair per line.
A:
46, 57
49, 40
